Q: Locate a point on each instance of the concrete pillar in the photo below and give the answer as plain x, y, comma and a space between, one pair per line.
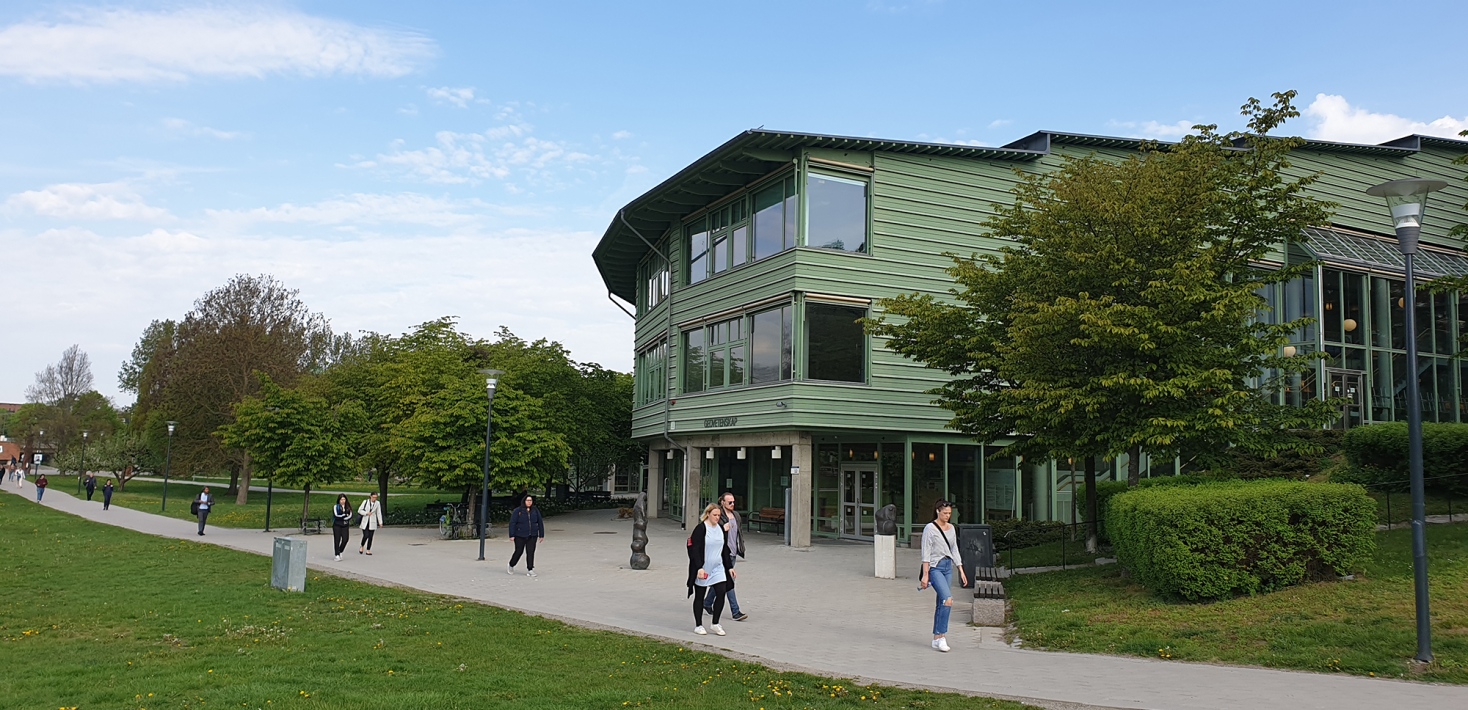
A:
692, 484
656, 463
800, 492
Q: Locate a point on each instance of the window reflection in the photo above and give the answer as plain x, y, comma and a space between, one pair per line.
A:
836, 213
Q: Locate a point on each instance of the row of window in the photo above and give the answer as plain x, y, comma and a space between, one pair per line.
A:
763, 222
759, 348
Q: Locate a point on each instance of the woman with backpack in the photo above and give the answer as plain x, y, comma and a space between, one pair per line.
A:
371, 512
341, 524
940, 556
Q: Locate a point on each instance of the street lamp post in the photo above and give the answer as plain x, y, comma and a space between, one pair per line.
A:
269, 492
36, 455
491, 379
168, 464
83, 472
1407, 200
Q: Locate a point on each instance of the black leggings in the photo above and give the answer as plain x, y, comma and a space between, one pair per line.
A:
701, 592
367, 538
526, 546
341, 535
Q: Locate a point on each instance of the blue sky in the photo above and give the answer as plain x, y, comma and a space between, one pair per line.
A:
397, 162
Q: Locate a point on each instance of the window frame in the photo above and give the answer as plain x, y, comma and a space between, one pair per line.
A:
738, 208
830, 173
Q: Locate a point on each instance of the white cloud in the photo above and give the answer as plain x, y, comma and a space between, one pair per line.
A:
1000, 122
360, 208
621, 135
499, 153
954, 141
449, 95
103, 45
1333, 118
181, 127
1153, 129
96, 201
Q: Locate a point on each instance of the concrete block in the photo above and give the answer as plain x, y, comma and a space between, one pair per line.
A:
886, 553
988, 612
288, 564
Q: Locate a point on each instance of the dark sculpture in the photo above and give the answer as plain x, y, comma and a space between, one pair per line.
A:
640, 560
887, 520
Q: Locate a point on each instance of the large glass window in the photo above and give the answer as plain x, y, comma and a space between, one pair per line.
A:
698, 251
836, 342
653, 281
1353, 293
651, 373
928, 463
774, 218
836, 213
695, 360
771, 346
964, 489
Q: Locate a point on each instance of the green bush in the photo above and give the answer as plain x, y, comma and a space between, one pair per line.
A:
1237, 463
1184, 480
1104, 492
1378, 456
1017, 534
1223, 539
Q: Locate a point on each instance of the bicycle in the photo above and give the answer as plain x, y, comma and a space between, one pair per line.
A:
453, 521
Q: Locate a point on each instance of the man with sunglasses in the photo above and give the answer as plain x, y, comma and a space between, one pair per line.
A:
729, 520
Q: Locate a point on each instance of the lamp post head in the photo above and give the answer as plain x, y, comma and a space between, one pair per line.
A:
85, 433
171, 425
1407, 200
491, 377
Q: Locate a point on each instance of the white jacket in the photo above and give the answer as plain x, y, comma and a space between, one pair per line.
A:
371, 512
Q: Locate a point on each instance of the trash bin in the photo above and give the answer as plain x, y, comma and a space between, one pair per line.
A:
288, 568
976, 547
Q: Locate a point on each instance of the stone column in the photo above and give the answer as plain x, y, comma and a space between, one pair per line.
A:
800, 492
692, 484
657, 462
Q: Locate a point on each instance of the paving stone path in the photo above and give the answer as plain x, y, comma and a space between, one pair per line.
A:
817, 609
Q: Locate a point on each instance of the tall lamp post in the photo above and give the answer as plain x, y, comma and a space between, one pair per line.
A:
83, 472
36, 455
1407, 200
491, 379
168, 464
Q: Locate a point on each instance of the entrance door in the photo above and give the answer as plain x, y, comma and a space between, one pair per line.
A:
1346, 384
858, 501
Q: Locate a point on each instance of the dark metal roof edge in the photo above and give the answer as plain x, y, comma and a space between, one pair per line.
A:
1401, 146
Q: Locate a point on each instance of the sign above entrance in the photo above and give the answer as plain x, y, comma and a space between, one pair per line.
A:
717, 422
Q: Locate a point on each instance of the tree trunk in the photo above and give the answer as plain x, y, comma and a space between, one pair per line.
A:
306, 507
243, 495
382, 488
1093, 541
1134, 466
234, 479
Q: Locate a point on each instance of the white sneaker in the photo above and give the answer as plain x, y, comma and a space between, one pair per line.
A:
531, 573
942, 645
935, 644
509, 570
699, 630
338, 558
719, 630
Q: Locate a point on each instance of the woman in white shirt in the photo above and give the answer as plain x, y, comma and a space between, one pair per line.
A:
710, 569
371, 512
940, 556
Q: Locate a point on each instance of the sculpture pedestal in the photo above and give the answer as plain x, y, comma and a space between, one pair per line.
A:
886, 553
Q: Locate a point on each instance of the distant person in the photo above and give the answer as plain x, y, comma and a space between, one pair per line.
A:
90, 484
341, 524
107, 494
201, 507
41, 484
734, 538
526, 528
371, 512
940, 556
710, 569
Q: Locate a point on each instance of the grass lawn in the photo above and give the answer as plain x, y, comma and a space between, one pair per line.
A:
1401, 506
1050, 554
1363, 627
99, 617
285, 509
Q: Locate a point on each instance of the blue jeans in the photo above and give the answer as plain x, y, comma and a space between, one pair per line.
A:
940, 576
708, 604
39, 492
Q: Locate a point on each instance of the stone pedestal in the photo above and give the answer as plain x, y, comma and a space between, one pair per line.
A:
886, 553
988, 612
288, 568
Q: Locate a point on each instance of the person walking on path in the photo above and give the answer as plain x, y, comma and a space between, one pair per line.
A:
107, 494
201, 507
729, 521
371, 512
940, 556
710, 569
527, 527
341, 524
41, 484
90, 484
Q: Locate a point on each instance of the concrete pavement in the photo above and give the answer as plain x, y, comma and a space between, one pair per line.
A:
817, 609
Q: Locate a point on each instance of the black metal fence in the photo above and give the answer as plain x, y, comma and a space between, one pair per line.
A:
1396, 505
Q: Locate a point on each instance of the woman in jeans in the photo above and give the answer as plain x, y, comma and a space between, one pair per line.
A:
710, 569
940, 556
341, 524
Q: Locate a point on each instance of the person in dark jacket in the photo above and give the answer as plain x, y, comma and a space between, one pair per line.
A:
341, 524
710, 569
202, 503
527, 528
90, 484
107, 494
41, 484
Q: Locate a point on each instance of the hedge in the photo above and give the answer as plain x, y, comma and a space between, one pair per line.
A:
1220, 540
1105, 490
1378, 456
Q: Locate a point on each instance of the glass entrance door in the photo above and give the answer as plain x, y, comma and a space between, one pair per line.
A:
1346, 384
858, 501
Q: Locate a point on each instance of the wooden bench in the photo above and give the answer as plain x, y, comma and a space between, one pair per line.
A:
769, 516
312, 526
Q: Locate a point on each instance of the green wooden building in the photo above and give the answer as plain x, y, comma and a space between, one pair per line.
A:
749, 268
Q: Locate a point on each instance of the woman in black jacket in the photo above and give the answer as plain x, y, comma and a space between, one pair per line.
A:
710, 569
527, 528
341, 524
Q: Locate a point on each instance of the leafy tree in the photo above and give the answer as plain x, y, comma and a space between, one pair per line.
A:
1125, 314
295, 438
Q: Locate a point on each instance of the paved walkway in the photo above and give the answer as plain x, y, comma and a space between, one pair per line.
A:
816, 609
